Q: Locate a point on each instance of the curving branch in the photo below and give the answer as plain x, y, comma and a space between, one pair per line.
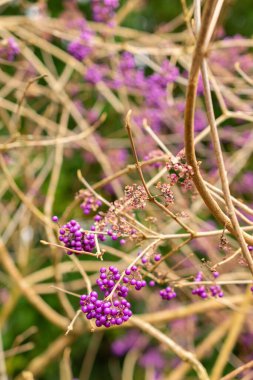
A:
209, 16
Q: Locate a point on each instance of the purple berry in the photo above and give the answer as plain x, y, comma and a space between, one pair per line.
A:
216, 274
157, 257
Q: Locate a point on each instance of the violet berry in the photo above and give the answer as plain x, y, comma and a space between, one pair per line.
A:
216, 274
157, 257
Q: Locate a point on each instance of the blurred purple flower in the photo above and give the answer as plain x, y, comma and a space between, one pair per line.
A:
78, 50
4, 295
200, 88
9, 49
96, 73
169, 72
153, 358
127, 61
200, 120
245, 184
118, 157
81, 47
104, 10
132, 339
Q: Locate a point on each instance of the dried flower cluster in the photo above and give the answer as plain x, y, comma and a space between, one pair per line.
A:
180, 172
136, 196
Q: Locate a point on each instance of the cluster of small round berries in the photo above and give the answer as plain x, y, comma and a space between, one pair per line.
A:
200, 291
117, 310
168, 293
216, 291
203, 292
105, 313
133, 278
108, 279
72, 236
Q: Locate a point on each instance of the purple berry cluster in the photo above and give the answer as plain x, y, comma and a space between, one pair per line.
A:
216, 290
168, 293
200, 290
108, 279
203, 291
106, 313
72, 236
117, 310
133, 278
